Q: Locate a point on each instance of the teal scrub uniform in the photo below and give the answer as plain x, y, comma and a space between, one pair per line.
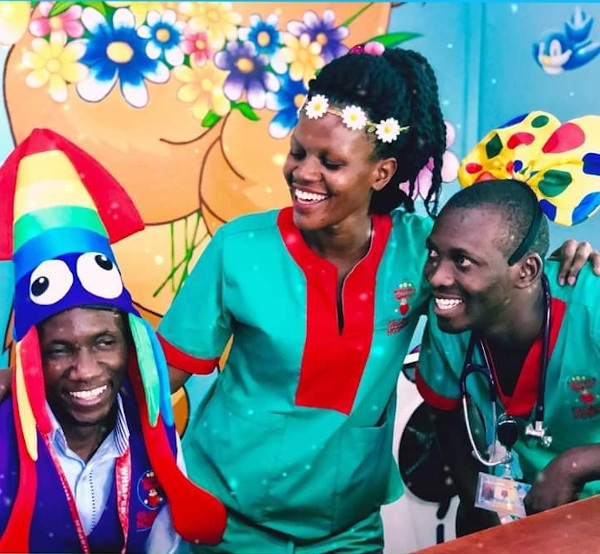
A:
572, 391
295, 437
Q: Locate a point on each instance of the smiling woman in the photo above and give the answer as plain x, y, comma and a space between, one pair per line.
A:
322, 299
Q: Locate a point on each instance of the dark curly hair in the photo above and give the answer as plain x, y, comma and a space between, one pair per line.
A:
401, 84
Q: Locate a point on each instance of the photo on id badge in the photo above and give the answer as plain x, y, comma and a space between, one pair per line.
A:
500, 494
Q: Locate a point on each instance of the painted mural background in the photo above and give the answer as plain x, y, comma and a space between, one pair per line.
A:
190, 104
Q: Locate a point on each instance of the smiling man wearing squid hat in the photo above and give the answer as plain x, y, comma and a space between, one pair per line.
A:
89, 456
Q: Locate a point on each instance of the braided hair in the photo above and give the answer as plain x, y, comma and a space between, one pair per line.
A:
400, 84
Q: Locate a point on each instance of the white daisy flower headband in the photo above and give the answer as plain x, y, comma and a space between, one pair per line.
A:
353, 117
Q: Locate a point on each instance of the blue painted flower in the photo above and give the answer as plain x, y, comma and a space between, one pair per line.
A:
164, 34
114, 52
286, 102
247, 73
322, 31
263, 33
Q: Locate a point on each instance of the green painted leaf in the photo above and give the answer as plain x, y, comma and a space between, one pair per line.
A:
389, 40
246, 110
210, 119
60, 7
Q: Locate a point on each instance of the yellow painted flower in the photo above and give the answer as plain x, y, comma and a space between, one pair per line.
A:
140, 9
302, 55
14, 18
203, 87
54, 63
217, 19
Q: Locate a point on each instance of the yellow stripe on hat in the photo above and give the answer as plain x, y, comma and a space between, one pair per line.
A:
28, 426
48, 179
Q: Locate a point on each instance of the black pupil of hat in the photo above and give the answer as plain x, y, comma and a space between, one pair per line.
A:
104, 262
40, 286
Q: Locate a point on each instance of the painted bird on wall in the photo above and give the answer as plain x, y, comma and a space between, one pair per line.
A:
560, 51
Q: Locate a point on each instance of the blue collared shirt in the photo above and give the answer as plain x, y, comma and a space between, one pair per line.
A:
91, 483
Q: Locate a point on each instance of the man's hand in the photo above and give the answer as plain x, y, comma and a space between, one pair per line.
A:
573, 256
561, 481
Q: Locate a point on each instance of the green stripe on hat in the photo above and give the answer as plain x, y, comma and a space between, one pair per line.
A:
35, 223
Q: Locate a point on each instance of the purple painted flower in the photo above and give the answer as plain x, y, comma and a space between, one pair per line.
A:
322, 31
247, 73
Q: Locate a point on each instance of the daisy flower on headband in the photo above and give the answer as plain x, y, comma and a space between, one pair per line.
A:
387, 130
354, 118
316, 106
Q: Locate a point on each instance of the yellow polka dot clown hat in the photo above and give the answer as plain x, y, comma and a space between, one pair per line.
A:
559, 161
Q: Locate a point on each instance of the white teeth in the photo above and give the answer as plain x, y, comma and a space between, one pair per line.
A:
309, 196
87, 394
447, 303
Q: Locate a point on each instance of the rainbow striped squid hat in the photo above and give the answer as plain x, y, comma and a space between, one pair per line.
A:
60, 210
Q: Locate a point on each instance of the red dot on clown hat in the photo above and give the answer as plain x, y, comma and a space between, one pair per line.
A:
518, 139
485, 176
473, 168
567, 137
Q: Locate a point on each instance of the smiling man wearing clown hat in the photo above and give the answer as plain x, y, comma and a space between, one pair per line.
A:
520, 349
89, 457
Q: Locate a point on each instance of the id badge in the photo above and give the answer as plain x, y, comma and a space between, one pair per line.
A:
501, 495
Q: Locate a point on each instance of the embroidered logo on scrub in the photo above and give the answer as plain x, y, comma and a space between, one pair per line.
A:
151, 496
586, 399
403, 294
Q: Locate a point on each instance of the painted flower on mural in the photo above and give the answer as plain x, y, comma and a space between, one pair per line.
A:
116, 53
203, 88
54, 63
323, 31
195, 45
68, 21
247, 73
220, 62
216, 18
286, 102
164, 35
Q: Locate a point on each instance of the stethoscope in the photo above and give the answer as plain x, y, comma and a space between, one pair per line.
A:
505, 430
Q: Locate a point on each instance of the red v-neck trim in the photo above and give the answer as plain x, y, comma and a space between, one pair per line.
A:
333, 362
524, 397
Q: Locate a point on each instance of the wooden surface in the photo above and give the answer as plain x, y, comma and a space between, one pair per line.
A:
570, 529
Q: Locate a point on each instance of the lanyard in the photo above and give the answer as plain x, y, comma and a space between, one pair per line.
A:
123, 483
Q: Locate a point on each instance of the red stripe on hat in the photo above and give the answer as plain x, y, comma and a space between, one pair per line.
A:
18, 529
205, 523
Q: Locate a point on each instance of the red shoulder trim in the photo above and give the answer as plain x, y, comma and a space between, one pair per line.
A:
180, 360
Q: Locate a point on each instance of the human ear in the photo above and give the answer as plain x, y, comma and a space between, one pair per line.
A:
384, 172
529, 269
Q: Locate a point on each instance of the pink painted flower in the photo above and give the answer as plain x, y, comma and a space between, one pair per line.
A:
68, 22
195, 43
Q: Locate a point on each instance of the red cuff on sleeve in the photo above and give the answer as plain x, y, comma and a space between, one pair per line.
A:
180, 360
433, 398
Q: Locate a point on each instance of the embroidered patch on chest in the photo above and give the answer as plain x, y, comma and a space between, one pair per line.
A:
403, 294
586, 400
151, 496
